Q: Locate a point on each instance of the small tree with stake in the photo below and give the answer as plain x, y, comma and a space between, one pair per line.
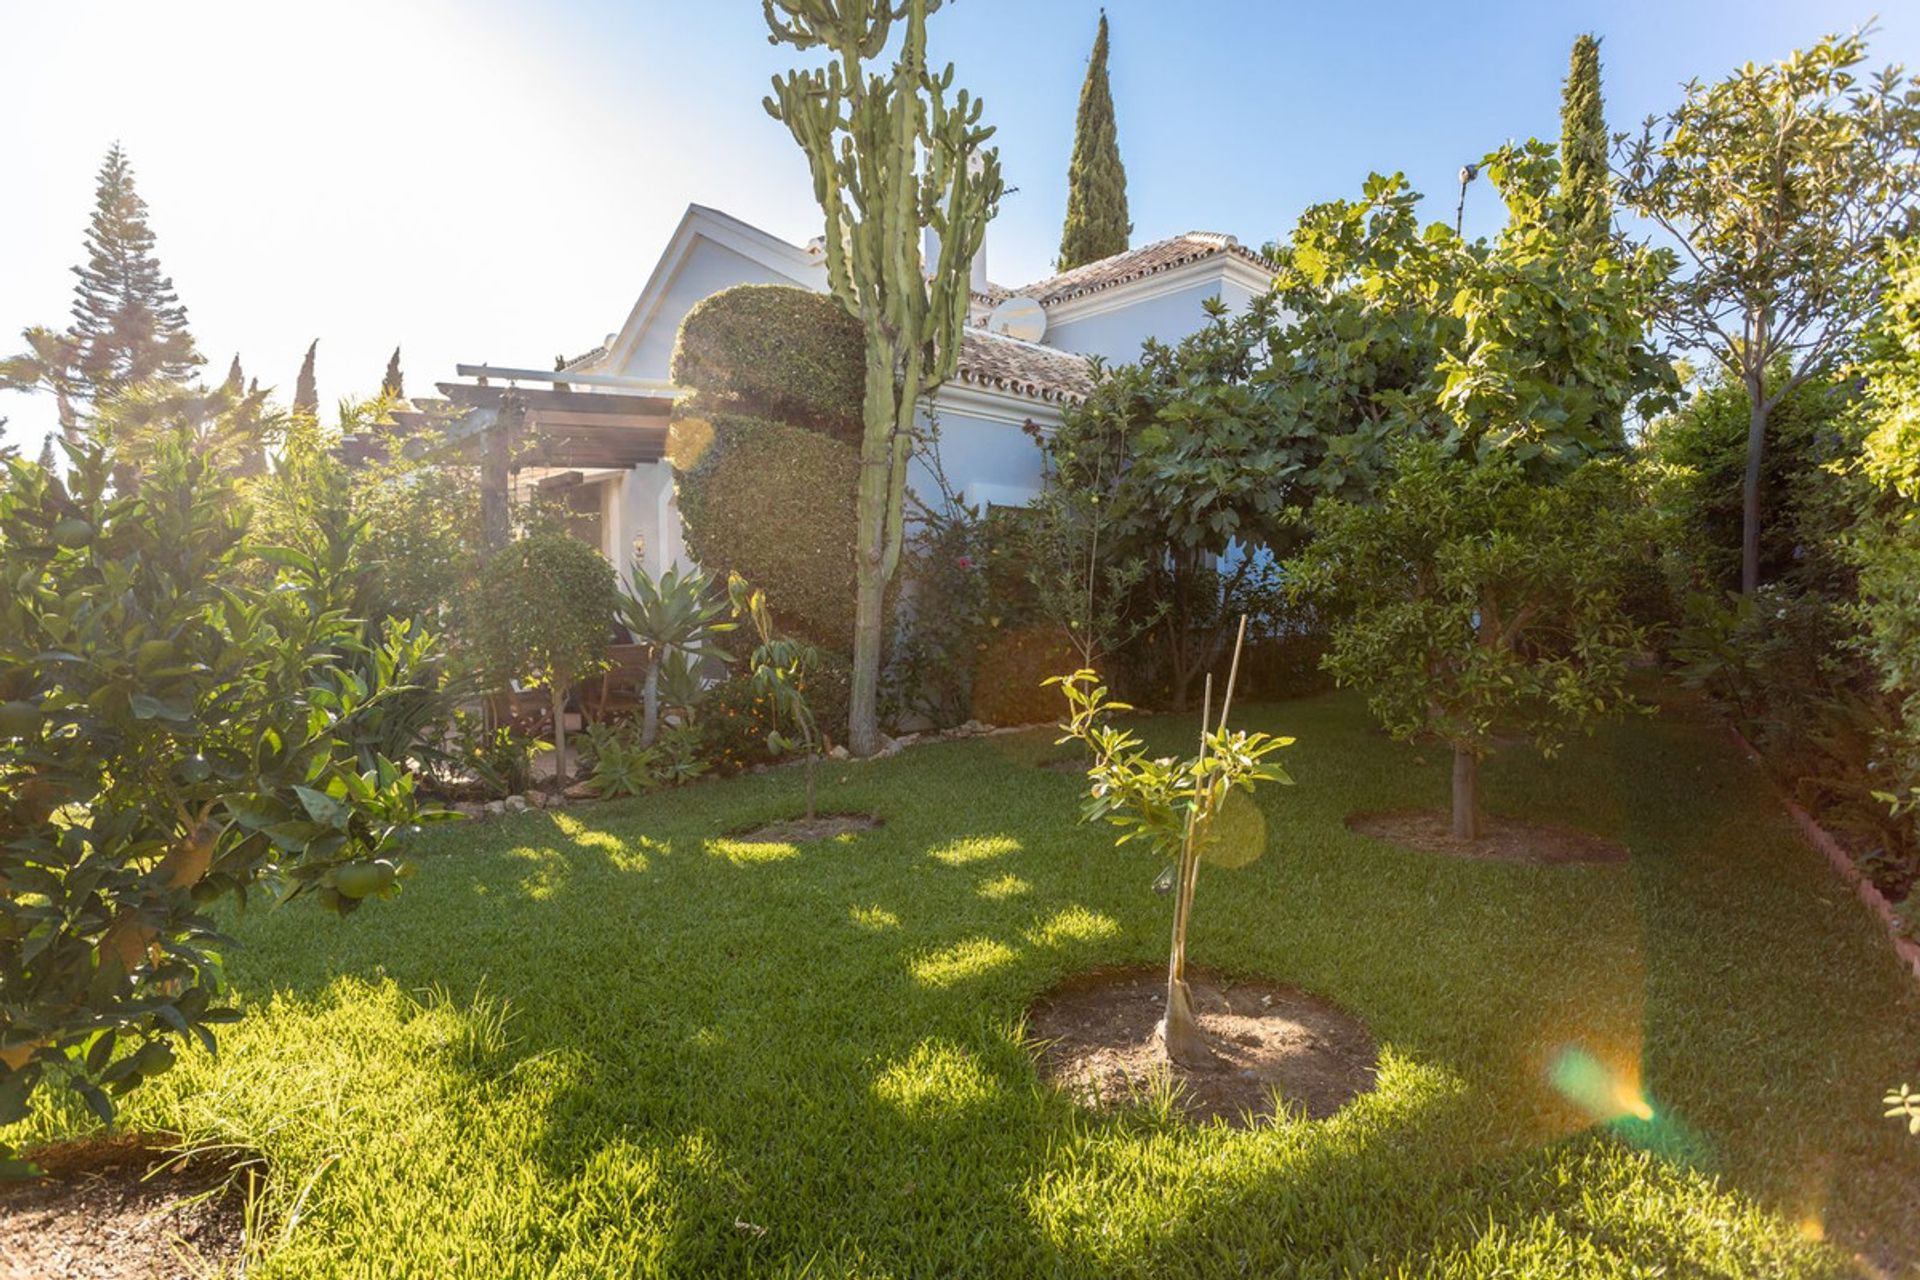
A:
778, 666
1173, 805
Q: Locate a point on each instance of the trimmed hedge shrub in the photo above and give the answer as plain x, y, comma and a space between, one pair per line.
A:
1007, 679
774, 351
775, 504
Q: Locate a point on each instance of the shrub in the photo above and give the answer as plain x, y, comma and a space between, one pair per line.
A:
176, 727
547, 608
778, 352
736, 717
775, 504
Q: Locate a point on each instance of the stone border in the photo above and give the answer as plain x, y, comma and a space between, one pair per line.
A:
1843, 866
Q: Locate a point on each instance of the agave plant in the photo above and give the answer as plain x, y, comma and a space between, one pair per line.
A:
676, 614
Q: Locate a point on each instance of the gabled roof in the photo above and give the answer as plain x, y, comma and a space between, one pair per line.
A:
997, 362
1136, 264
790, 261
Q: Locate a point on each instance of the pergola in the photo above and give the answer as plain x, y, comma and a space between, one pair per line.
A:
575, 422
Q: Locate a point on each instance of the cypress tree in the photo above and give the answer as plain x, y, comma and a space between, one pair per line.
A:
1097, 225
306, 396
1586, 204
128, 323
46, 452
236, 380
393, 385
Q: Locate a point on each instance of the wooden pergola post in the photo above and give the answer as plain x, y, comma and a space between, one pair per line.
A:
496, 472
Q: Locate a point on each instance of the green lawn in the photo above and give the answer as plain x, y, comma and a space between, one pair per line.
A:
606, 1041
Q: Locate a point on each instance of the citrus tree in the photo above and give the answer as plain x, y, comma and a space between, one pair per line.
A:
1175, 806
549, 604
1475, 601
179, 714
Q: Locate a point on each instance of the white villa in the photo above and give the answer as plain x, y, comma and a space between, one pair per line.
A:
1025, 356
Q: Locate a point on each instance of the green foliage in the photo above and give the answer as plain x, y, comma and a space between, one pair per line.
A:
1699, 452
498, 756
393, 385
1097, 225
550, 600
773, 503
1184, 458
1585, 204
1781, 183
185, 717
777, 670
1469, 600
547, 605
1886, 545
778, 352
891, 156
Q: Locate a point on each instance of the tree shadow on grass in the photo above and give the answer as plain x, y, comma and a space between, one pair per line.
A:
719, 1063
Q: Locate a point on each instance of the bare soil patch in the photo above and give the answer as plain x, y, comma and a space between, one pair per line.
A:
803, 830
1098, 1039
1501, 839
123, 1208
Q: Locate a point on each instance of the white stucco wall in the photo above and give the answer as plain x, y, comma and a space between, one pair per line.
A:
986, 461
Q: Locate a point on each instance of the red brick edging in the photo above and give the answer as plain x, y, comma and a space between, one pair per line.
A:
1820, 838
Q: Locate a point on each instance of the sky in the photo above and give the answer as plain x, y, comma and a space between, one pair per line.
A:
480, 181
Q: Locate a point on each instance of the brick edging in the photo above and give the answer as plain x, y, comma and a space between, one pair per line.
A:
1843, 866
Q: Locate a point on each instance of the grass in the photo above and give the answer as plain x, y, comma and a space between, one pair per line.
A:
608, 1041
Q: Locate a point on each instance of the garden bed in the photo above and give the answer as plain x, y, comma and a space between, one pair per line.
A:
1098, 1041
123, 1208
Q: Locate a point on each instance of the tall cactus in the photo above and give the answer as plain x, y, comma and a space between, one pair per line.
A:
891, 156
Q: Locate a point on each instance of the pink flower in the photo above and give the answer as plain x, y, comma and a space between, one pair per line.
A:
964, 562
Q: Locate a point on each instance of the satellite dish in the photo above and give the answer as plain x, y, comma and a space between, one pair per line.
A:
1021, 318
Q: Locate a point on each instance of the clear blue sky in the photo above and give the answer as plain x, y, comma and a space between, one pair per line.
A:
489, 181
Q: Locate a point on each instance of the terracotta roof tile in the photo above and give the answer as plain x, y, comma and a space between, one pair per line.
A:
1134, 264
1007, 364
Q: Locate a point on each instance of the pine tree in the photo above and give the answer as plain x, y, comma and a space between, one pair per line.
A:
306, 396
1586, 203
393, 386
128, 323
1097, 225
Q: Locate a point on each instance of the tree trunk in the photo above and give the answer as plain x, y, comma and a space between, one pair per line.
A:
1466, 794
559, 736
650, 702
813, 759
1750, 492
1180, 1033
880, 421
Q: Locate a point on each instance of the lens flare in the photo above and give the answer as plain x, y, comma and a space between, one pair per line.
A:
1604, 1093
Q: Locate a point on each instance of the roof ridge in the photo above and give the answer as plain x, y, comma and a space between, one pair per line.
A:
1149, 259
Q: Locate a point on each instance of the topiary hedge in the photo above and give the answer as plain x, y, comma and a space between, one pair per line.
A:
774, 351
775, 504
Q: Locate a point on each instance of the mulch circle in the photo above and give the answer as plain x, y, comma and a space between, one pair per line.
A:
123, 1208
804, 830
1098, 1039
1501, 839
